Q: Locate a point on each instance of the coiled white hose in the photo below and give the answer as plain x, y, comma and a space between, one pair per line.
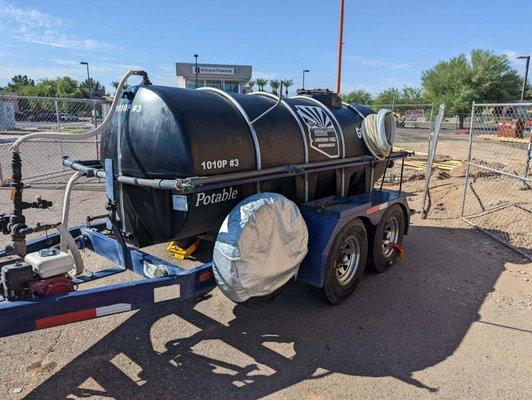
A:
79, 136
378, 131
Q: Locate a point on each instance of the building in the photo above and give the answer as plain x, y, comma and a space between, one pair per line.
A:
230, 78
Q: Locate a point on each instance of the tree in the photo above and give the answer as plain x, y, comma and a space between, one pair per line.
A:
19, 81
287, 83
274, 84
411, 95
67, 87
359, 96
252, 84
91, 86
485, 77
116, 83
59, 87
388, 97
43, 88
261, 82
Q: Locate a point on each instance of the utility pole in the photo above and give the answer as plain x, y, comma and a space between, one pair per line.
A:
340, 45
196, 69
88, 77
304, 71
527, 58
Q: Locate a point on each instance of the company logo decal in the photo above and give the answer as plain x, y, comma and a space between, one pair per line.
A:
321, 131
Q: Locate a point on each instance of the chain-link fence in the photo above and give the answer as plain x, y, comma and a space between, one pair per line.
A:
20, 115
24, 114
497, 197
42, 160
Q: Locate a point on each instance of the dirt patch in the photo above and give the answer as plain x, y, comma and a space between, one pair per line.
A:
41, 367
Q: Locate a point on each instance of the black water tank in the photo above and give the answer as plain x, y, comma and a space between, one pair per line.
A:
165, 132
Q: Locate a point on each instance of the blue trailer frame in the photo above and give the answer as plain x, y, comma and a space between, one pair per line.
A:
324, 218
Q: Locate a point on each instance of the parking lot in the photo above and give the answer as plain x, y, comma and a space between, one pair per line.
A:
451, 320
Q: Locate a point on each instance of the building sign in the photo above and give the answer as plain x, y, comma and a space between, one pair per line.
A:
414, 113
214, 70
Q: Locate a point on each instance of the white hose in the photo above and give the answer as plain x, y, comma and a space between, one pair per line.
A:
66, 204
71, 244
378, 131
79, 136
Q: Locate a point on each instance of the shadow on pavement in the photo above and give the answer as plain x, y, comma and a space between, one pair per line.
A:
408, 319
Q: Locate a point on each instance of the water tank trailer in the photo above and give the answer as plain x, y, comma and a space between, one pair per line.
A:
181, 165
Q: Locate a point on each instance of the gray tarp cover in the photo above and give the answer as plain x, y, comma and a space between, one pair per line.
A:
259, 247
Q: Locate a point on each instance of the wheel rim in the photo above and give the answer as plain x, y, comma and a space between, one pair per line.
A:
390, 235
348, 260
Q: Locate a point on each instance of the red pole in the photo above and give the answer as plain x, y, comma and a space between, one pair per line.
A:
340, 44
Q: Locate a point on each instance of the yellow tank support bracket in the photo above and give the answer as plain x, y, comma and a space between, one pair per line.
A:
179, 252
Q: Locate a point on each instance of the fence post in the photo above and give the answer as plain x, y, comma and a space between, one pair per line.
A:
528, 157
430, 157
58, 119
430, 128
96, 138
466, 182
94, 120
57, 115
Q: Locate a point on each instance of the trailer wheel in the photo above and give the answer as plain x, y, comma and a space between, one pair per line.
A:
346, 262
384, 238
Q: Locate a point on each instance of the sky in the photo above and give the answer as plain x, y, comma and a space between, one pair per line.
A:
386, 43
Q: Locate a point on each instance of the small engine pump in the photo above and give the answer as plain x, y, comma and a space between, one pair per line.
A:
42, 273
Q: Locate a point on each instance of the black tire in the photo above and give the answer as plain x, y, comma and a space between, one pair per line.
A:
388, 232
346, 262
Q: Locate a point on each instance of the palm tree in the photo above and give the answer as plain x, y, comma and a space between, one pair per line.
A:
287, 83
261, 82
252, 84
91, 87
116, 83
274, 84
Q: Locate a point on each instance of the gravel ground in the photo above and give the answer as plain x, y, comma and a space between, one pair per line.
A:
451, 320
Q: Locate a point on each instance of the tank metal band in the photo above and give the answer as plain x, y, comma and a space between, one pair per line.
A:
301, 129
330, 114
242, 112
291, 111
354, 109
